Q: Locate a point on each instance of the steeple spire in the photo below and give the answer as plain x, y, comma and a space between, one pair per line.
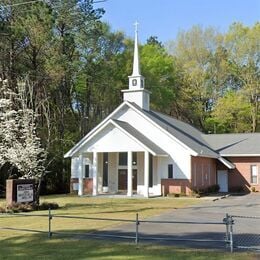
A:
136, 80
136, 64
136, 92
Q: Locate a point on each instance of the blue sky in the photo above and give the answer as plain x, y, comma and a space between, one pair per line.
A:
165, 18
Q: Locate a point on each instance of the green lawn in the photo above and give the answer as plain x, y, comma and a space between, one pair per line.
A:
26, 245
92, 207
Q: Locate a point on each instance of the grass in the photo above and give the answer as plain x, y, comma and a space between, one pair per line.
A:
93, 207
38, 247
26, 245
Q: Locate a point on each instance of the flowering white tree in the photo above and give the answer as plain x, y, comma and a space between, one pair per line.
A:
19, 144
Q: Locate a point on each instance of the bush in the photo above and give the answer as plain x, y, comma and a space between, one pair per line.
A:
175, 195
2, 210
253, 189
48, 205
27, 207
20, 207
213, 188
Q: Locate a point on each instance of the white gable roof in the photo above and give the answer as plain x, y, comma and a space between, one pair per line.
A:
127, 130
180, 132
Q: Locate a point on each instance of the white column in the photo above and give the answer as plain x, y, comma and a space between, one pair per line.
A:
95, 173
81, 169
129, 175
146, 174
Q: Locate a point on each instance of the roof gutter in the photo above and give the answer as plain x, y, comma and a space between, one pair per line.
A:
227, 163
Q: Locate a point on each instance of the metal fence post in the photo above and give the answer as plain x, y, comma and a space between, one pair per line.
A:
136, 229
50, 218
226, 221
231, 222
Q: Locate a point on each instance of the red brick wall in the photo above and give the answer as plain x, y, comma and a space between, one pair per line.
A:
240, 177
203, 172
87, 185
176, 186
203, 175
73, 180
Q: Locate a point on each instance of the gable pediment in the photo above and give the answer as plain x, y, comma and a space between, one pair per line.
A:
111, 139
118, 136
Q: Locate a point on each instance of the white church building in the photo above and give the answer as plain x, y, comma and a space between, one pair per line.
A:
136, 150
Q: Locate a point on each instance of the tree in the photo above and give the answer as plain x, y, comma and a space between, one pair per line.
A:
19, 144
242, 43
97, 89
193, 51
236, 117
158, 67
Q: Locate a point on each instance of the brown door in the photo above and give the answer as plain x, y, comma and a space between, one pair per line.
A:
122, 179
134, 179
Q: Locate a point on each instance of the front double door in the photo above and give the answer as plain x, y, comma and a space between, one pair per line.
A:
122, 180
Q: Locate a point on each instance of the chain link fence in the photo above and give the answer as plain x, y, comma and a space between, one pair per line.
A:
249, 239
230, 231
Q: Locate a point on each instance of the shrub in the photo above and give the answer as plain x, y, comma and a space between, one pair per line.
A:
20, 207
175, 195
48, 205
2, 210
213, 188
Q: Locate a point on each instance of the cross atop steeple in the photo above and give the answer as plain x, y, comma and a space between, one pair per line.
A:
136, 26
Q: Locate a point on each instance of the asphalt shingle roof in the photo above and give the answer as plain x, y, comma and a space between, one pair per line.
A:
211, 145
235, 144
187, 134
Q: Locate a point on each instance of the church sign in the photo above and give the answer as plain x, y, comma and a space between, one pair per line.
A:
20, 191
25, 193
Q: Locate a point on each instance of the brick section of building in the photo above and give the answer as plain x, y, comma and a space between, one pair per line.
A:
177, 186
240, 177
203, 172
87, 185
203, 175
72, 181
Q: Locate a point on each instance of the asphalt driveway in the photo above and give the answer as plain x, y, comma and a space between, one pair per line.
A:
246, 230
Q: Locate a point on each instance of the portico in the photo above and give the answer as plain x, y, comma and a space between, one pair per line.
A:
120, 178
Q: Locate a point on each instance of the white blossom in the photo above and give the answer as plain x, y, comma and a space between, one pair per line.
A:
19, 144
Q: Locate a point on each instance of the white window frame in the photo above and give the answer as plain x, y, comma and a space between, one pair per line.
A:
252, 174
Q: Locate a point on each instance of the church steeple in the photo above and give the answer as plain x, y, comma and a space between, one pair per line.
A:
136, 81
136, 92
